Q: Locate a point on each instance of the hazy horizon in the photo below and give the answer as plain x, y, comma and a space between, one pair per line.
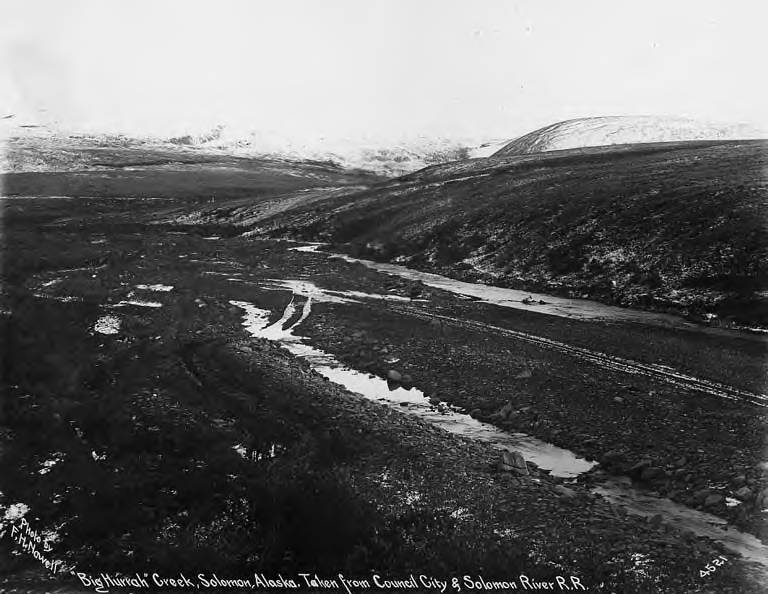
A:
375, 71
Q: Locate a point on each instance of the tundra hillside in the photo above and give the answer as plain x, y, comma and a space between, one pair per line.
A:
677, 227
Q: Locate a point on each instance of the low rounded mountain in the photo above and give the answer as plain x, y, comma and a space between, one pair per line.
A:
609, 130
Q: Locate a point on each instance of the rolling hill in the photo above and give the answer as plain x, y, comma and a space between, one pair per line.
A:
678, 227
611, 130
104, 166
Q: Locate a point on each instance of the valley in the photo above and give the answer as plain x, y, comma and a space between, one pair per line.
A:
670, 227
251, 400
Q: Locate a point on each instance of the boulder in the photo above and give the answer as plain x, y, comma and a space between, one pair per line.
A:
415, 290
565, 492
638, 468
701, 494
524, 374
506, 410
510, 422
714, 500
513, 462
394, 376
744, 494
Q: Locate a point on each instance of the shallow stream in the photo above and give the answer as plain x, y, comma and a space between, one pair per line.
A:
558, 461
579, 309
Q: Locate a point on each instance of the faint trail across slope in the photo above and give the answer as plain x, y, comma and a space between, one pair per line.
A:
655, 371
612, 362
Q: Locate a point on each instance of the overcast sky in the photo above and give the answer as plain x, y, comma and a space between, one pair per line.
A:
379, 69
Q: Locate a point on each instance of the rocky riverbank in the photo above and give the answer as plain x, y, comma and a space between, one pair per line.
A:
494, 506
655, 434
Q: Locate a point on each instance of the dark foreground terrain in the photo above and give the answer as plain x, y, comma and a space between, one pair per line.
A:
145, 430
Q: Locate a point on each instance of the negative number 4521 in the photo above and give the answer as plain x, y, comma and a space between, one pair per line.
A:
712, 566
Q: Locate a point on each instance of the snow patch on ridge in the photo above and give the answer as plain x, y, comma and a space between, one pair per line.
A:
604, 131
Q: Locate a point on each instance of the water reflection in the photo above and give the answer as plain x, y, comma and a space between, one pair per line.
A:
560, 462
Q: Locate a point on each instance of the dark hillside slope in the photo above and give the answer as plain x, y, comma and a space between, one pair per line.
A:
676, 226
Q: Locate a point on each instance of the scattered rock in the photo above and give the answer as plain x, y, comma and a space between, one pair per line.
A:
701, 494
393, 385
618, 399
513, 462
565, 492
714, 500
510, 480
524, 374
506, 410
638, 468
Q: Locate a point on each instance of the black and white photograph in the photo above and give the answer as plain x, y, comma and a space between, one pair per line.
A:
383, 296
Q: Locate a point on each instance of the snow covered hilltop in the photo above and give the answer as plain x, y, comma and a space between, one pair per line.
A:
609, 130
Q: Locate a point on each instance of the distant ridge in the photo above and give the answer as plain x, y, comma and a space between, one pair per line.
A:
610, 130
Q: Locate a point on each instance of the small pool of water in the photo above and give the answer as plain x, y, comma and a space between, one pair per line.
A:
560, 462
579, 309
